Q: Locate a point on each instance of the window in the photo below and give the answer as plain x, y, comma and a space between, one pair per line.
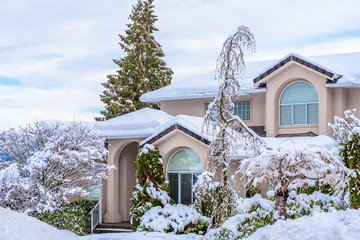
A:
241, 109
299, 105
183, 170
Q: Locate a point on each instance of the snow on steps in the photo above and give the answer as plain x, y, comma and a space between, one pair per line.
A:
122, 227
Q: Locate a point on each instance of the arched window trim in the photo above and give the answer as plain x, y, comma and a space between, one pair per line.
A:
182, 172
292, 104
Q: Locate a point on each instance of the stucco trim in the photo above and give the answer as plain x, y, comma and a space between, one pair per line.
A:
333, 77
180, 128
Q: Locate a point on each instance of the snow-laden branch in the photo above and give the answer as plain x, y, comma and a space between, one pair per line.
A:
50, 163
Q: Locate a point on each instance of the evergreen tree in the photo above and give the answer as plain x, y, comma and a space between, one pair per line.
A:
141, 70
346, 132
150, 189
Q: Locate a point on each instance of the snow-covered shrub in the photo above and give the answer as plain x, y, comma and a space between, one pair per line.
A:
51, 163
256, 212
346, 132
73, 217
174, 218
150, 189
253, 213
286, 164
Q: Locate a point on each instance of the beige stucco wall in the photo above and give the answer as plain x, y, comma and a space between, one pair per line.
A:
353, 100
177, 140
277, 83
196, 107
116, 197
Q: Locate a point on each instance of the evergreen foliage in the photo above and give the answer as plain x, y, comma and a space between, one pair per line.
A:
150, 189
346, 132
74, 216
141, 69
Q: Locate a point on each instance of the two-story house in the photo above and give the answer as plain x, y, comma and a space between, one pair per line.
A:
292, 97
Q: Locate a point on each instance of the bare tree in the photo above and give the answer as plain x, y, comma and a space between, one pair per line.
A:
216, 198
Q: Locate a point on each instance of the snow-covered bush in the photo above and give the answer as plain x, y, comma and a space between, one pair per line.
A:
73, 217
150, 189
174, 218
346, 132
285, 164
256, 212
52, 162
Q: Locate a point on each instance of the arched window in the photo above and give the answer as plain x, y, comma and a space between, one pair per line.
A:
299, 104
183, 170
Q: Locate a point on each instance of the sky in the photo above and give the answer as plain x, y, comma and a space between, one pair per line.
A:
54, 55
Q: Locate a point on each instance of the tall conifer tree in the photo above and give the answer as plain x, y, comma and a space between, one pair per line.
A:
141, 70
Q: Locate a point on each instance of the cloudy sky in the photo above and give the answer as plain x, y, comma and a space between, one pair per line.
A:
54, 55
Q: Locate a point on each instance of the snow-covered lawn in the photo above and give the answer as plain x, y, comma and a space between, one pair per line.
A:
141, 236
337, 225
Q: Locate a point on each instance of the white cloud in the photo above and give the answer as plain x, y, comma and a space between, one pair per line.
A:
61, 51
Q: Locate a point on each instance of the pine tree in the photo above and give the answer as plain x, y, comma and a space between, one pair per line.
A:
141, 70
150, 189
217, 199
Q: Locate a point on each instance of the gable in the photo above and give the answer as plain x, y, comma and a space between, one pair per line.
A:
291, 59
163, 135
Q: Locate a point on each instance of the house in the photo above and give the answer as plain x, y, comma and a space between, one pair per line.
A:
292, 97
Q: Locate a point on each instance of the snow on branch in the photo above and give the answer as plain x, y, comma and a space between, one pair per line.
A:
49, 164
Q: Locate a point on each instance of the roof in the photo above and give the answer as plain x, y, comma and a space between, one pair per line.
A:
138, 124
330, 74
150, 124
205, 86
188, 124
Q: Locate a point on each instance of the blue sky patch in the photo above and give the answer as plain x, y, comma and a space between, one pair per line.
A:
9, 81
47, 56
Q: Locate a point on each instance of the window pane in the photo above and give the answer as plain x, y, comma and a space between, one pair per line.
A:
174, 186
299, 92
313, 113
185, 160
285, 115
186, 188
242, 109
299, 114
206, 106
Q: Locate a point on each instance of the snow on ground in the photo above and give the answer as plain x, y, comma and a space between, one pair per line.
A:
141, 236
338, 225
17, 226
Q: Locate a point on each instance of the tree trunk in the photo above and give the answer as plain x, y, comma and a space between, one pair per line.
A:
280, 202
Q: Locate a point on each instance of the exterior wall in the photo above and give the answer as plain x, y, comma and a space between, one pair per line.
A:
196, 107
177, 140
353, 100
116, 199
192, 107
274, 88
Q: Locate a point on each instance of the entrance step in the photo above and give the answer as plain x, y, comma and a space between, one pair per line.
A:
121, 227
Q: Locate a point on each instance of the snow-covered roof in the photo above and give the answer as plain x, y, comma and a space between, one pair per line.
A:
189, 124
147, 123
205, 86
138, 124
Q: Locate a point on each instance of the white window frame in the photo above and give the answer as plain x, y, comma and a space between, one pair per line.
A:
179, 175
292, 108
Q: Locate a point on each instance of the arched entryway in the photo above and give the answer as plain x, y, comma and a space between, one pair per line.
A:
127, 178
183, 169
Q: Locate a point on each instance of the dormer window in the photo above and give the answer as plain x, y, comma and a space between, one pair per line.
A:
299, 104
